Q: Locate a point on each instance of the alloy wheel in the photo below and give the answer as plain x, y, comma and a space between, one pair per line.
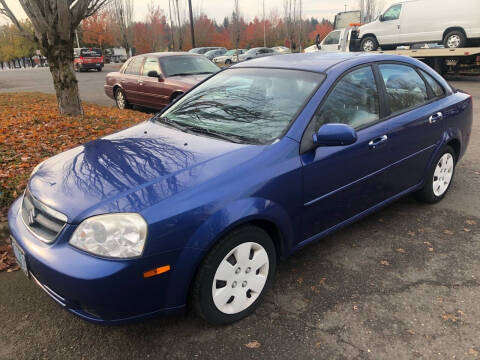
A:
443, 174
454, 41
240, 278
120, 100
368, 45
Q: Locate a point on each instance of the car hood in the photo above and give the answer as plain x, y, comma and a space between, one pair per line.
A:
132, 170
187, 81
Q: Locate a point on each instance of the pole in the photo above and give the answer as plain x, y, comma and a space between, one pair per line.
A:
76, 35
264, 35
191, 22
171, 25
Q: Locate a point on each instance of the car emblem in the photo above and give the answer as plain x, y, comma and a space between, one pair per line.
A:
32, 214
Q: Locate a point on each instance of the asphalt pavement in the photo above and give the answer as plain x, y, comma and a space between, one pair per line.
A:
39, 79
403, 283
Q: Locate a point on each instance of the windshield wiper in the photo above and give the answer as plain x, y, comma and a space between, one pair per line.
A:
232, 138
196, 73
165, 120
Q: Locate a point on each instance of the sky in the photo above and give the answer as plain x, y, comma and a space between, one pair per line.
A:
218, 9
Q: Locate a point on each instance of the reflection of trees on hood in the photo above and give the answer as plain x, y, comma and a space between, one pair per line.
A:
108, 167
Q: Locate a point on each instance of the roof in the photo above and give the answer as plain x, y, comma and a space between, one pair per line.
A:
318, 62
165, 53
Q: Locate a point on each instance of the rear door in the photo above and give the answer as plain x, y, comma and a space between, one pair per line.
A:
341, 182
415, 125
130, 79
388, 32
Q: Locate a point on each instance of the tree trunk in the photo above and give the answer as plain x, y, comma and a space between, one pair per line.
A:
60, 61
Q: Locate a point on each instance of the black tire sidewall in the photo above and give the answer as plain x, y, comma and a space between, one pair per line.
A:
202, 298
427, 194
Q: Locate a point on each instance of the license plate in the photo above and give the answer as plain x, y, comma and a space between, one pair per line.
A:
20, 256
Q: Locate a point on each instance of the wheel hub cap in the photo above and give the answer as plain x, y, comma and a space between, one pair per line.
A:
246, 265
453, 41
368, 46
442, 175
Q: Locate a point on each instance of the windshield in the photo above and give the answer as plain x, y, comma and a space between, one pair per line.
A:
246, 104
187, 65
91, 52
231, 52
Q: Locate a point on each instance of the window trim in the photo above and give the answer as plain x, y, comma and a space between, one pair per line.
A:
390, 115
421, 71
303, 148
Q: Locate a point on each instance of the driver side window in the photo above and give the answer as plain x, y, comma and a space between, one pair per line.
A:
393, 13
332, 38
353, 101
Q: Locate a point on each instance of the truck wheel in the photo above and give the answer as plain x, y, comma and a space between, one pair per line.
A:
369, 43
454, 39
99, 69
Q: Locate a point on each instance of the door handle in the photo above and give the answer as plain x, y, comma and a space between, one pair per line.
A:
435, 117
378, 141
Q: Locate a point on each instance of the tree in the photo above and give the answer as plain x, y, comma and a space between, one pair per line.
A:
122, 14
54, 23
370, 9
13, 45
97, 29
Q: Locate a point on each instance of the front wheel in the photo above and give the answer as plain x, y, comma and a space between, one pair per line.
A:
121, 100
228, 62
369, 43
439, 177
234, 276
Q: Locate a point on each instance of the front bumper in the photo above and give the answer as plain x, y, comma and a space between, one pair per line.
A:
97, 289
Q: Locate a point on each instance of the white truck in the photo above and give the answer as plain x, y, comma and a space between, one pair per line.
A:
443, 60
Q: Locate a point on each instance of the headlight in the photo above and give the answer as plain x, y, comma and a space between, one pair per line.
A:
112, 235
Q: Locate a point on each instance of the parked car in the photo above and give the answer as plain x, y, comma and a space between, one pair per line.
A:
88, 58
253, 164
282, 49
203, 50
214, 53
453, 23
155, 80
230, 57
257, 53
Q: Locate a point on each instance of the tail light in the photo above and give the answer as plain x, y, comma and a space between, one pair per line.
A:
81, 59
478, 60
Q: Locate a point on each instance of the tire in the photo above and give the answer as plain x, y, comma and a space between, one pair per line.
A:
245, 257
121, 100
369, 43
99, 69
455, 39
439, 177
228, 62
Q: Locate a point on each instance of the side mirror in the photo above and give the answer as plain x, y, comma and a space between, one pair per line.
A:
381, 18
335, 135
155, 74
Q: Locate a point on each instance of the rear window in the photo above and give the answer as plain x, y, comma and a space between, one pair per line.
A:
91, 52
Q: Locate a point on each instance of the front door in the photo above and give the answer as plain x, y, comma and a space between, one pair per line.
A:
343, 181
152, 88
389, 30
332, 41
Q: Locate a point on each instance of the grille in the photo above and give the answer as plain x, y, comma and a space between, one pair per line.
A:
44, 222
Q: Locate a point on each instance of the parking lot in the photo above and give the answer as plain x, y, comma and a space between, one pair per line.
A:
403, 283
39, 79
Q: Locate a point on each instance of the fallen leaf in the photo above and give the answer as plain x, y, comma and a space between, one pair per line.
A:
448, 232
411, 332
300, 280
470, 222
430, 249
411, 233
466, 230
473, 352
400, 250
449, 317
385, 262
253, 344
355, 307
428, 243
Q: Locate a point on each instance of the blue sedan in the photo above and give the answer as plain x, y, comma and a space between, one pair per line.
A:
198, 203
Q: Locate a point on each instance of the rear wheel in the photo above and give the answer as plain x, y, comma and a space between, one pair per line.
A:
455, 39
369, 43
121, 99
234, 276
439, 177
99, 69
